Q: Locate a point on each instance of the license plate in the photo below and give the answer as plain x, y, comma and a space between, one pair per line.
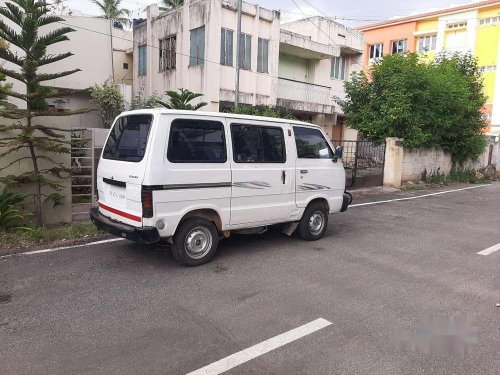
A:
116, 196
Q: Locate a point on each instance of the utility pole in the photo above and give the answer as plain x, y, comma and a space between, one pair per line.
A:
112, 52
238, 54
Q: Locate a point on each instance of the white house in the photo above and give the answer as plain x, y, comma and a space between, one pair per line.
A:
297, 66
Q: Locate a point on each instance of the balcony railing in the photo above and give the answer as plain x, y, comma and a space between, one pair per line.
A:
303, 91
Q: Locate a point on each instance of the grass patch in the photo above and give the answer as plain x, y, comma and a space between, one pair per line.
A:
33, 236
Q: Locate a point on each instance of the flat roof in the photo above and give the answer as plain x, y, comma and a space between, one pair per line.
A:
165, 111
420, 16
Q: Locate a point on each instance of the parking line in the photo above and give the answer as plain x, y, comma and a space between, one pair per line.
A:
417, 196
264, 347
61, 248
489, 250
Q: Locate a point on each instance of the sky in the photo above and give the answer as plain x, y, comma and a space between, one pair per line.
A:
350, 12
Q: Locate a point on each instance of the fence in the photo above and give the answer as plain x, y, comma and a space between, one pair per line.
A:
364, 162
86, 147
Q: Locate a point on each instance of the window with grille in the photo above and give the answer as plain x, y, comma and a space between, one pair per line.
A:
226, 47
427, 43
376, 51
197, 46
262, 55
167, 53
338, 69
142, 60
399, 46
245, 51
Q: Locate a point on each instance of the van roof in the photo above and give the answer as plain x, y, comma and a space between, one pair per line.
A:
158, 111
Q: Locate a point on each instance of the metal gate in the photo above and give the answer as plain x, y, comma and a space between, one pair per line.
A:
363, 162
86, 147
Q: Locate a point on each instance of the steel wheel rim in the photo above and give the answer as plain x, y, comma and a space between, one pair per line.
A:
316, 222
198, 242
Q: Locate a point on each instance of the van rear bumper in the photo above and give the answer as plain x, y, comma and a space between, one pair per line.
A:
144, 235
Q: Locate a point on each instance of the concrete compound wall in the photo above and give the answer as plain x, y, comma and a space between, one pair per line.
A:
403, 164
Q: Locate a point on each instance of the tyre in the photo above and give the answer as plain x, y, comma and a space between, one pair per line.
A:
195, 242
313, 224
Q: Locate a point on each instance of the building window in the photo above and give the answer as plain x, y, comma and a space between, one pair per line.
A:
376, 51
487, 68
226, 47
338, 68
125, 66
245, 51
427, 43
457, 25
262, 55
489, 20
258, 144
142, 60
167, 53
399, 46
197, 47
196, 141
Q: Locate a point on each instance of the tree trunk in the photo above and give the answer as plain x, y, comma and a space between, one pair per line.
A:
38, 190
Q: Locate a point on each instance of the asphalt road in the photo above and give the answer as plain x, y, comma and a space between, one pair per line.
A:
121, 308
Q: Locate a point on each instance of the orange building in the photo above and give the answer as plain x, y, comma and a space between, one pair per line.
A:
472, 28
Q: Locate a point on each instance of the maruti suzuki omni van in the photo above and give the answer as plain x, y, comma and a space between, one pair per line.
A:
192, 178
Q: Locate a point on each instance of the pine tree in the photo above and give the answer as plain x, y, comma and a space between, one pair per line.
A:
26, 136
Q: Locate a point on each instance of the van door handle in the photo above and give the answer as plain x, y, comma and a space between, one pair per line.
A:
283, 177
304, 171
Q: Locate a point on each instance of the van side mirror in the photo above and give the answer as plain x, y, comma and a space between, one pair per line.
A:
339, 151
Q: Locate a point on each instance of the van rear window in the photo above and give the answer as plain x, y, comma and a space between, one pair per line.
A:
128, 138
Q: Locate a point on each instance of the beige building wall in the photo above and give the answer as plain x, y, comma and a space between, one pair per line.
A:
215, 81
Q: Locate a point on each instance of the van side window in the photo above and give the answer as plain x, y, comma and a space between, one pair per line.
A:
258, 144
196, 141
311, 144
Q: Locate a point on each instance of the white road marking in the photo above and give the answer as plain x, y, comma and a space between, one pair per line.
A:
352, 205
417, 196
264, 347
61, 248
489, 250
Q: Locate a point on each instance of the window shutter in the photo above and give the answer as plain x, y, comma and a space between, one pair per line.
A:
229, 43
201, 45
223, 47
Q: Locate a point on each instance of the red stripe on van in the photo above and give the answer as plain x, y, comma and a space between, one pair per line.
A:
121, 213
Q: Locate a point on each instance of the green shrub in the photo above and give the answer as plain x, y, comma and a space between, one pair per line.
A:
11, 213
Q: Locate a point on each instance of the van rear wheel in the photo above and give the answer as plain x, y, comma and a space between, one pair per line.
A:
195, 242
313, 224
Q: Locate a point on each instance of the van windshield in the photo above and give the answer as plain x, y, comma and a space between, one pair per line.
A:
128, 138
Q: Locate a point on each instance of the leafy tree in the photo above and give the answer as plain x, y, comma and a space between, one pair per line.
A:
171, 4
112, 11
181, 99
4, 87
436, 104
26, 134
141, 102
109, 100
261, 111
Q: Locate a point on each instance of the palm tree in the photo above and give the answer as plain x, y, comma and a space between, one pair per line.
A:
171, 4
181, 100
113, 12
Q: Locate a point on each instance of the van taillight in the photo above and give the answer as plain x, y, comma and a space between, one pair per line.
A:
147, 203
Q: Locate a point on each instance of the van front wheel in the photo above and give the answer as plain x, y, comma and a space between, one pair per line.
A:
313, 224
195, 242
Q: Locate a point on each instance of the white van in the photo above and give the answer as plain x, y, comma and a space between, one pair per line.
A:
192, 178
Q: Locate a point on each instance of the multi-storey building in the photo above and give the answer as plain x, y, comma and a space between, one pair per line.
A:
298, 66
473, 27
